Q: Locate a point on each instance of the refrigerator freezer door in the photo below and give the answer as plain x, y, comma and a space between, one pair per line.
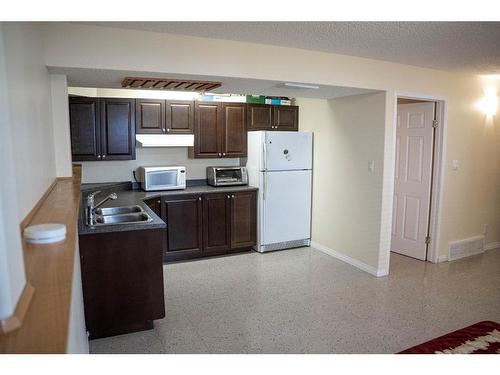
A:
285, 151
286, 206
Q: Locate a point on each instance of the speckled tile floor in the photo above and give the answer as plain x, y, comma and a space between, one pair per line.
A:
304, 301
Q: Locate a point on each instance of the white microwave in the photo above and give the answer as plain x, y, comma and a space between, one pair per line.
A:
162, 178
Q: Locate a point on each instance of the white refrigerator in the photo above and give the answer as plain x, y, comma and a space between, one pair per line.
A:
280, 164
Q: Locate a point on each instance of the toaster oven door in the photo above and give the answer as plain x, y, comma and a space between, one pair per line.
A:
229, 176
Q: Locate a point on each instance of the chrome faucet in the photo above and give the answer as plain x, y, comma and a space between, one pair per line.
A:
91, 206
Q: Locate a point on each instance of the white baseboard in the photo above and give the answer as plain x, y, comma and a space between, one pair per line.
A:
442, 258
492, 246
353, 262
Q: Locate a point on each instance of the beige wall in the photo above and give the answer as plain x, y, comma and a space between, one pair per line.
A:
112, 171
347, 197
471, 197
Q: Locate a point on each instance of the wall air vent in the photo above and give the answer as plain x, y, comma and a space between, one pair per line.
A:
169, 84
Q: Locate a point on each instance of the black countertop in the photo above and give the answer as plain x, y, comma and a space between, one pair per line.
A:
128, 197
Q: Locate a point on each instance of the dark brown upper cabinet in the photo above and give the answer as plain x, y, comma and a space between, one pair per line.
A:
84, 129
234, 130
117, 129
207, 130
164, 116
220, 130
102, 129
272, 117
150, 116
286, 117
179, 117
259, 116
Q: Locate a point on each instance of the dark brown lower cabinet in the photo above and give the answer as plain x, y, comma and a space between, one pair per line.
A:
183, 215
122, 279
209, 224
155, 205
243, 219
216, 223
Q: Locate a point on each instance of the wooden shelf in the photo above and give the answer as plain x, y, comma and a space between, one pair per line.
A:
49, 269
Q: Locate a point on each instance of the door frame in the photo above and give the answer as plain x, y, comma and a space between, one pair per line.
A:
437, 167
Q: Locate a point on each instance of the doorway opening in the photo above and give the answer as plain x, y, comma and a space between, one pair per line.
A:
419, 130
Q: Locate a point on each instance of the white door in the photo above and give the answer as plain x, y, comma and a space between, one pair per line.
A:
286, 151
412, 179
286, 206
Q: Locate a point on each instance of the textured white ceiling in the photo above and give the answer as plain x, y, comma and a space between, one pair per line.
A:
455, 46
101, 78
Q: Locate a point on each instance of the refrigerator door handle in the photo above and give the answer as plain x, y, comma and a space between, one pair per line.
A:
264, 154
264, 190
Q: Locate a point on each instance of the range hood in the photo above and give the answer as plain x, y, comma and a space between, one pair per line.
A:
164, 140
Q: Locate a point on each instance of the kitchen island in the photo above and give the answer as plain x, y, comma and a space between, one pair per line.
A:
122, 264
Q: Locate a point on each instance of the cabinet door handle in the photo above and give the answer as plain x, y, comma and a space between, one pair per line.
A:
223, 154
98, 156
220, 154
168, 130
199, 198
158, 202
228, 196
103, 156
232, 196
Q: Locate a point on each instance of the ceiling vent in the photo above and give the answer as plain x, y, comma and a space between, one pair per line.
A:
169, 84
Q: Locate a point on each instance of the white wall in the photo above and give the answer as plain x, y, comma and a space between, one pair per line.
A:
27, 147
12, 276
60, 121
114, 171
468, 203
27, 156
347, 197
29, 98
78, 342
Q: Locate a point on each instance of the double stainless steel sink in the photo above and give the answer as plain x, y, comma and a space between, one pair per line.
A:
120, 215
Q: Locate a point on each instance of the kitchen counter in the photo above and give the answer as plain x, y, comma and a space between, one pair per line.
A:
129, 197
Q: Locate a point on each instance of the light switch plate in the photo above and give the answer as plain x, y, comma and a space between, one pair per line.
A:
455, 164
371, 165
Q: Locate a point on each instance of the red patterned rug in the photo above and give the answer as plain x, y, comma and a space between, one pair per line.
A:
479, 338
